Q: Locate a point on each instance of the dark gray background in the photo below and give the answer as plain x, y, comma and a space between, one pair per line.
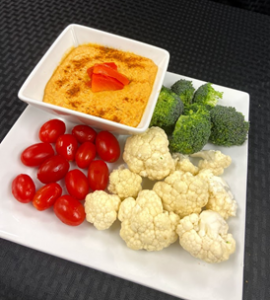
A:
210, 41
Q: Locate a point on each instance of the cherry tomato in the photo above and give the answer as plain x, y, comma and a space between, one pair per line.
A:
77, 184
67, 145
23, 188
107, 146
53, 169
98, 175
69, 210
47, 195
36, 154
51, 130
84, 133
85, 154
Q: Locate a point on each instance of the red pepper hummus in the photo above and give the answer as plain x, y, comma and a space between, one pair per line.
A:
67, 87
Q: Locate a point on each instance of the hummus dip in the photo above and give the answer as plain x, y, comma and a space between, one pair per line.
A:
67, 86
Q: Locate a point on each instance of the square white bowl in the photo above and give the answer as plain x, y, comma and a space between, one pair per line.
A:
32, 90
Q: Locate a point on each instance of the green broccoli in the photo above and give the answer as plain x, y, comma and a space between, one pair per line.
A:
168, 109
207, 95
229, 127
184, 89
192, 131
194, 107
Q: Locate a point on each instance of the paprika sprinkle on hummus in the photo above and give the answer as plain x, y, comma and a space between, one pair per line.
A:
130, 83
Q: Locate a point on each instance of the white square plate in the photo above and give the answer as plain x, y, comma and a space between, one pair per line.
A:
33, 88
172, 270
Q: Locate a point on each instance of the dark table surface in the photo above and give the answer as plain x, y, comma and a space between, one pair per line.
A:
206, 40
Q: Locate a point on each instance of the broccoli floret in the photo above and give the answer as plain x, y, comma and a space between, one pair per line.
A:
194, 107
207, 95
184, 89
168, 109
192, 131
229, 127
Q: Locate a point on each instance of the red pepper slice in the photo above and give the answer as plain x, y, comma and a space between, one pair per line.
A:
102, 83
111, 65
90, 71
108, 64
110, 72
89, 83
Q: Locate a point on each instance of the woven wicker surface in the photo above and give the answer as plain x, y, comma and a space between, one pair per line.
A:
206, 40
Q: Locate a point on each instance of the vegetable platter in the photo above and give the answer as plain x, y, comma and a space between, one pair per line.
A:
172, 270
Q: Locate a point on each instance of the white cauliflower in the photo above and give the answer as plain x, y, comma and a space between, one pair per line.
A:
145, 225
213, 160
183, 163
124, 183
182, 193
221, 199
206, 236
147, 154
101, 209
125, 209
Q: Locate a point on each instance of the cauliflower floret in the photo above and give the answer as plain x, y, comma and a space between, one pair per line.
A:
213, 160
183, 163
206, 236
221, 199
101, 209
147, 154
183, 193
125, 209
124, 183
145, 225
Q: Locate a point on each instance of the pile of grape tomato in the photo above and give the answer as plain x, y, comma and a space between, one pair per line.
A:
83, 148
